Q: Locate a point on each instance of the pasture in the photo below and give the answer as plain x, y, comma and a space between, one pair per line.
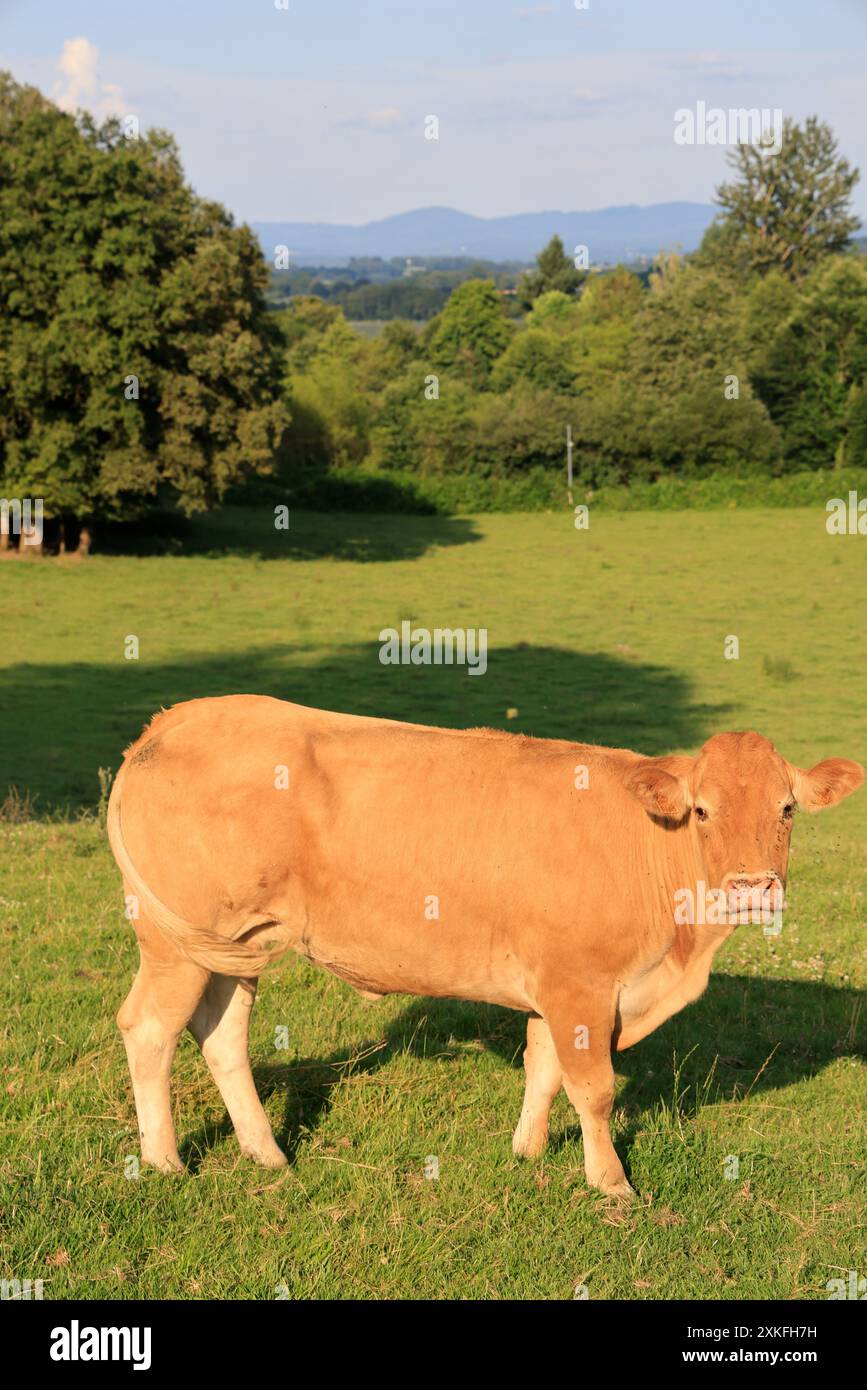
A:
740, 1121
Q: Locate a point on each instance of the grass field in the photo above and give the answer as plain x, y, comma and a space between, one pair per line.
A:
614, 635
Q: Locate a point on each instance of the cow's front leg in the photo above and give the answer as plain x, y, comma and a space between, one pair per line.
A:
544, 1077
581, 1029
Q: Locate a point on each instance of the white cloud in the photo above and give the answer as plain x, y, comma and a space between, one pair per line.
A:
80, 83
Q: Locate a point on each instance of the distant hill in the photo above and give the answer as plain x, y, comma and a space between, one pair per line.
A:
610, 234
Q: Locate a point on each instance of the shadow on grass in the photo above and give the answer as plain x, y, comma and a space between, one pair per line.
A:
739, 1023
251, 532
735, 1028
60, 724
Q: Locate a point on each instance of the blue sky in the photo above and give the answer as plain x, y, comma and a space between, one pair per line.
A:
317, 112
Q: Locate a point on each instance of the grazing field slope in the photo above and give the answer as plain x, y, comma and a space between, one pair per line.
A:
740, 1121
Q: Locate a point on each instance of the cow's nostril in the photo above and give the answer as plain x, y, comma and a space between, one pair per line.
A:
745, 882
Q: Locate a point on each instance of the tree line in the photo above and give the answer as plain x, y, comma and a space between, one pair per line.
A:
747, 358
140, 365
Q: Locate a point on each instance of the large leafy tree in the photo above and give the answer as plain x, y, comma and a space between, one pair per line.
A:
332, 388
136, 355
813, 377
786, 211
470, 333
416, 433
689, 369
554, 271
689, 326
535, 357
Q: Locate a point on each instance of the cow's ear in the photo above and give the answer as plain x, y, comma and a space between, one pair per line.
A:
661, 787
826, 783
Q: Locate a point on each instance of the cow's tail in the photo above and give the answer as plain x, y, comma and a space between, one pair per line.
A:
222, 954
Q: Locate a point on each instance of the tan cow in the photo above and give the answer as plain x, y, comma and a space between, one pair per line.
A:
470, 864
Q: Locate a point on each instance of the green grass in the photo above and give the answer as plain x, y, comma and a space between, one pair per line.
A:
616, 635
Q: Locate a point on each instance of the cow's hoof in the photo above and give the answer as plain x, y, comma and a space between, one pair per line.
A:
169, 1163
267, 1158
528, 1145
622, 1191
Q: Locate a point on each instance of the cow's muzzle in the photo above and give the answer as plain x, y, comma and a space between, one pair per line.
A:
754, 898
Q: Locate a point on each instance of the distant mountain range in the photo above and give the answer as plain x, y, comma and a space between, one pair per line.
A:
610, 234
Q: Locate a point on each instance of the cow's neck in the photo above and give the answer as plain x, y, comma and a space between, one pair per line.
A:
680, 973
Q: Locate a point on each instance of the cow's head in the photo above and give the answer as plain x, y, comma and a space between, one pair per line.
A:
738, 799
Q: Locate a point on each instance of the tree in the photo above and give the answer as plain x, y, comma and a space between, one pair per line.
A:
813, 377
604, 331
555, 271
690, 325
417, 432
554, 311
856, 428
617, 295
539, 358
697, 431
303, 325
136, 355
688, 376
470, 333
329, 398
770, 301
391, 353
519, 431
601, 353
787, 210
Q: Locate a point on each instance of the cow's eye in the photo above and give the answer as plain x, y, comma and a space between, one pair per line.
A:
700, 813
788, 810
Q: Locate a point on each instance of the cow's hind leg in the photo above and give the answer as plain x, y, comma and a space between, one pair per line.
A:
221, 1026
155, 1013
581, 1031
544, 1078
